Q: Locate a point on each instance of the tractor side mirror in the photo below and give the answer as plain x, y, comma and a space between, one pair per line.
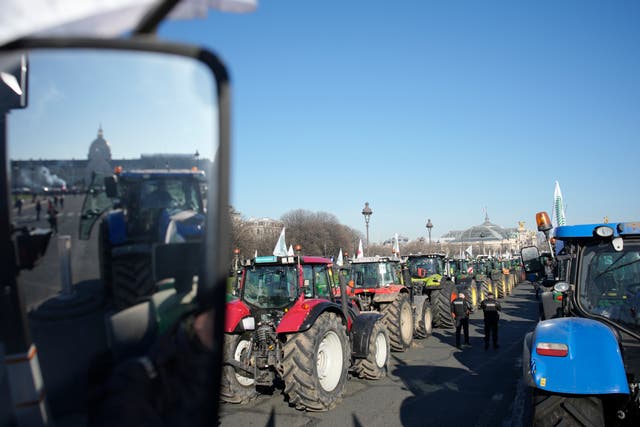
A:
531, 260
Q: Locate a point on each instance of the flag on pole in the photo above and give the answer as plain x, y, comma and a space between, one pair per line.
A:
469, 251
396, 246
281, 246
360, 253
340, 261
558, 208
290, 251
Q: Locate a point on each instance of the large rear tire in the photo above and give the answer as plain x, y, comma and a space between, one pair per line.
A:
315, 364
570, 410
374, 366
132, 282
424, 317
442, 300
236, 386
398, 318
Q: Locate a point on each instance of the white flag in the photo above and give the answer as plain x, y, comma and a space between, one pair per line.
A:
396, 246
360, 253
340, 261
281, 245
469, 251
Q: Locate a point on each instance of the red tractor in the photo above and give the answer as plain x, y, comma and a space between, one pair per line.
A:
287, 323
375, 285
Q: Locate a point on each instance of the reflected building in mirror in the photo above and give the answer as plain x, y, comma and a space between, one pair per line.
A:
42, 176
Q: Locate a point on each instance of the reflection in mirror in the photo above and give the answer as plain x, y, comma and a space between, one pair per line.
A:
531, 259
112, 163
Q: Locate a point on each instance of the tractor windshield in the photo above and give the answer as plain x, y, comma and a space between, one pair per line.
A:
274, 286
609, 283
182, 193
423, 267
373, 274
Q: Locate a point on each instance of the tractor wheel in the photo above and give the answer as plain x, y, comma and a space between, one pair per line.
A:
442, 300
132, 281
104, 254
236, 386
398, 318
424, 317
315, 364
374, 366
553, 410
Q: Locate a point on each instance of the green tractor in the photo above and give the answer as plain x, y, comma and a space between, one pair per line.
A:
465, 281
482, 273
429, 276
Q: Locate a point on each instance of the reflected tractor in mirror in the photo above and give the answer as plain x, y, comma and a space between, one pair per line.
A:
148, 216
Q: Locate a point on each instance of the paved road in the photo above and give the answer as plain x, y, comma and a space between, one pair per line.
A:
432, 383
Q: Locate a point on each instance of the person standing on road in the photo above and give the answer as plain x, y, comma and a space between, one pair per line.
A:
18, 205
38, 209
491, 308
53, 219
461, 309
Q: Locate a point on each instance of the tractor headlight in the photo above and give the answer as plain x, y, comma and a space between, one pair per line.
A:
604, 231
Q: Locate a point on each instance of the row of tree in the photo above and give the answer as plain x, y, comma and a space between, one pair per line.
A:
317, 233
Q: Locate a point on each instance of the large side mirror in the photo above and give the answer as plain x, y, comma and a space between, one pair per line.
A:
531, 260
94, 104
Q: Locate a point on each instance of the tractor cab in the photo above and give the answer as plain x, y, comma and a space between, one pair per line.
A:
595, 322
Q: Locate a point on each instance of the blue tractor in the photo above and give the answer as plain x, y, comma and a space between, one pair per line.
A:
149, 217
582, 362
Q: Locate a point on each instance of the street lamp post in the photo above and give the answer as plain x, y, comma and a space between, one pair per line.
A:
429, 227
366, 212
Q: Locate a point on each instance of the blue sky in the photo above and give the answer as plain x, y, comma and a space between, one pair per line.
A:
430, 109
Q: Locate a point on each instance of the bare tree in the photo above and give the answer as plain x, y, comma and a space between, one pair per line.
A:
318, 233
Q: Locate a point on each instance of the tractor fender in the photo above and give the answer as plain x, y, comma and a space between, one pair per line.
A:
593, 364
360, 333
389, 293
236, 311
303, 314
117, 226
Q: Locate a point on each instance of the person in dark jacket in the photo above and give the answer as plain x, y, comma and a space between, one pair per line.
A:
461, 309
491, 308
